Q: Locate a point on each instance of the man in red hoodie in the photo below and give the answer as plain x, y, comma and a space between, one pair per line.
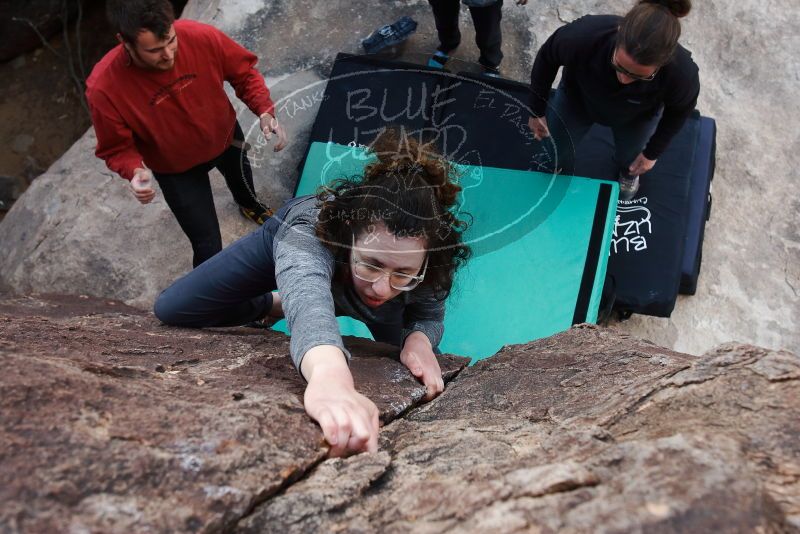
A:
160, 112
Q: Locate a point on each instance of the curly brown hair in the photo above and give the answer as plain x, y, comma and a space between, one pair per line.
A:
409, 189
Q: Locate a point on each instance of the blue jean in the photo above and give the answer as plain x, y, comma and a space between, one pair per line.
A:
569, 123
231, 288
235, 286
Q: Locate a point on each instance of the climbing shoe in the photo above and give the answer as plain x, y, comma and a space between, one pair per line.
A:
258, 216
263, 324
438, 60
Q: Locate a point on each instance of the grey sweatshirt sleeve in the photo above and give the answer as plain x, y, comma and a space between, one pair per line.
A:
303, 271
424, 313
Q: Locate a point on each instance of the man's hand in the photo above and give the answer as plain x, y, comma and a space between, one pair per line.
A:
269, 125
349, 420
538, 126
418, 356
641, 165
142, 185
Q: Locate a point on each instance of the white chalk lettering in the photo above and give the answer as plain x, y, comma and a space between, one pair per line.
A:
407, 111
485, 100
438, 103
293, 106
368, 111
632, 226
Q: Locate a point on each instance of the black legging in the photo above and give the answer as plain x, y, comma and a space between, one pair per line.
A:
488, 36
188, 195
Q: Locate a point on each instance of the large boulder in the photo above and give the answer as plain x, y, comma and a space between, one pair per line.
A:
587, 431
122, 425
24, 24
110, 422
78, 230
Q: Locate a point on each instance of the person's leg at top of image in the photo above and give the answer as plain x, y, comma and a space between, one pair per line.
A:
488, 35
445, 15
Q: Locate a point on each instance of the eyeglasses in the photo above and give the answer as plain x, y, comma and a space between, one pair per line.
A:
372, 273
622, 70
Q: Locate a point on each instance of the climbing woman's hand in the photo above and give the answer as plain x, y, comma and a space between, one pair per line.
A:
418, 356
349, 420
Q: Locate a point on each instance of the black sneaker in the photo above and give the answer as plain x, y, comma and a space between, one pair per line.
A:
389, 35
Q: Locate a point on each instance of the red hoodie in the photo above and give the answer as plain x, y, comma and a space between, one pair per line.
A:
173, 120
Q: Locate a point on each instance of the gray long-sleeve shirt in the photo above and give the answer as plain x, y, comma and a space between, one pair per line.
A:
312, 297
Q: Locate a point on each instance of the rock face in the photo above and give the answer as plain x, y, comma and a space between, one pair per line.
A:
110, 422
16, 19
587, 431
121, 425
78, 230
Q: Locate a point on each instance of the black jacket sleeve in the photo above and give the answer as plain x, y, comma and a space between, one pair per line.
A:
680, 100
559, 49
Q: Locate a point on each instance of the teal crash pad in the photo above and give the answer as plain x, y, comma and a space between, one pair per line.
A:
540, 248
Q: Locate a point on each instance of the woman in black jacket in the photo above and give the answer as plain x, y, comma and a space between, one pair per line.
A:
628, 73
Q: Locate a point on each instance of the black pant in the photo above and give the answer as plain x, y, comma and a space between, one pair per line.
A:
488, 36
188, 195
